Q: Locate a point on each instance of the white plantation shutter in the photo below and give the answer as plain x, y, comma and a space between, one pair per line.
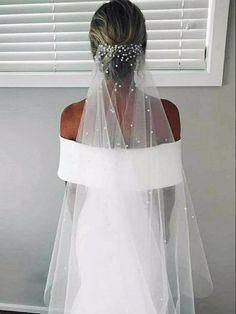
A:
48, 36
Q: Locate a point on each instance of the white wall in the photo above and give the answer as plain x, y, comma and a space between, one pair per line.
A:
31, 193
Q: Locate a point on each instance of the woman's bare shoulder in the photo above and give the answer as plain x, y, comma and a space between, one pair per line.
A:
169, 105
70, 120
173, 116
71, 115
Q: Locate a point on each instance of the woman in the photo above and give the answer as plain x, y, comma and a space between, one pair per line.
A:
127, 239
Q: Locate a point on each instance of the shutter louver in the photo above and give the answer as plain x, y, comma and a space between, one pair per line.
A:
48, 36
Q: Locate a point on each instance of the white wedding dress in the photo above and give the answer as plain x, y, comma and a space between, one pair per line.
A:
116, 277
119, 263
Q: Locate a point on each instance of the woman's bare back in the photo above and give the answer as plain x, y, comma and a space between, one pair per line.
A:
71, 116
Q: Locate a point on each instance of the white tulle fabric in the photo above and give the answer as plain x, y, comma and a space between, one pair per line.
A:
127, 240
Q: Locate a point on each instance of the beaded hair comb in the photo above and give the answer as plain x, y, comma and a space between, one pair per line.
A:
124, 52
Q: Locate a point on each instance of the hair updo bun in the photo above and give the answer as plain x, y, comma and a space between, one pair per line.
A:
117, 24
117, 61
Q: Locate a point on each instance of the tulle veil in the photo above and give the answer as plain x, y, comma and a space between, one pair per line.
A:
127, 152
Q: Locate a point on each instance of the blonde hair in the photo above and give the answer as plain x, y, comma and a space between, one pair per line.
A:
117, 22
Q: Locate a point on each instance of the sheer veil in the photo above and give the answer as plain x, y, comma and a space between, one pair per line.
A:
125, 153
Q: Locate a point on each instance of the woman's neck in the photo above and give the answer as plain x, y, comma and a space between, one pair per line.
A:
123, 87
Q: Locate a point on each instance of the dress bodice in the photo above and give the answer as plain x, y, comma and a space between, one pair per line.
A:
133, 169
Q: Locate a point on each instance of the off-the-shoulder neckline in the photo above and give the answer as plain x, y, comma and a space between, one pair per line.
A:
178, 142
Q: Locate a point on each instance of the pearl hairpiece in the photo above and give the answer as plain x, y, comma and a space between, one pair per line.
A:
124, 52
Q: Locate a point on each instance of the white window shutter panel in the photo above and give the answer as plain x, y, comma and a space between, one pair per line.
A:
48, 36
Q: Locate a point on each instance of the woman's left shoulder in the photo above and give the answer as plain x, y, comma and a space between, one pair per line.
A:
70, 119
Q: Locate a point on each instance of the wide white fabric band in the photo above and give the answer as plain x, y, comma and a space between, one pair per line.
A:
130, 169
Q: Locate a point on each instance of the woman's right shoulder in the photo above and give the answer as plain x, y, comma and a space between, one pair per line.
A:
173, 116
70, 119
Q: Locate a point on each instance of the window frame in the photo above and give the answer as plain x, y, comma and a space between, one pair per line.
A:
211, 76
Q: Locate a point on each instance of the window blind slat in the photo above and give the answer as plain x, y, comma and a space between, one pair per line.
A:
39, 35
30, 66
150, 15
86, 55
91, 6
83, 36
85, 45
84, 26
